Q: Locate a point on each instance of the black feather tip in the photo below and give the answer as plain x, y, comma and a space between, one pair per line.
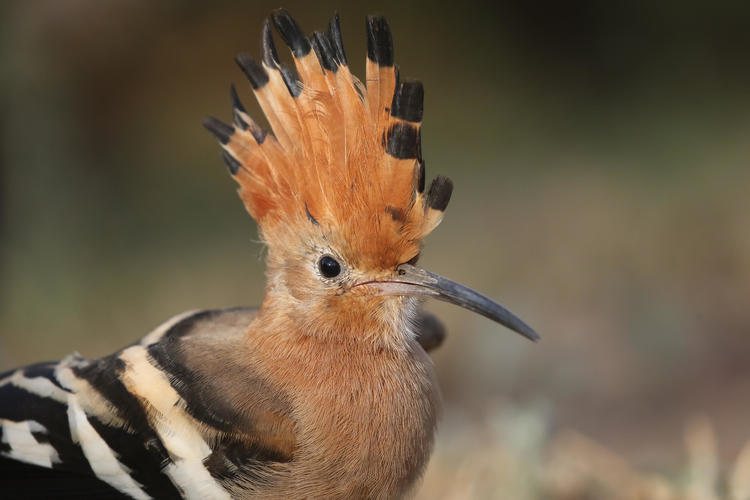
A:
420, 177
379, 41
237, 108
323, 49
334, 33
221, 130
232, 163
291, 79
291, 33
419, 144
270, 56
408, 101
440, 193
402, 141
254, 71
236, 103
259, 134
310, 217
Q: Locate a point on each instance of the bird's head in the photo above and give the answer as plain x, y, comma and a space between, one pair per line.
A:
338, 188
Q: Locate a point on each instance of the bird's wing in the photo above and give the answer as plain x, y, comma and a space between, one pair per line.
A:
178, 413
429, 330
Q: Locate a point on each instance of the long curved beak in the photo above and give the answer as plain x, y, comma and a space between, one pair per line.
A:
412, 280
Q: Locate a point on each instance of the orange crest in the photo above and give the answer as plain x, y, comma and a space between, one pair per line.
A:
343, 157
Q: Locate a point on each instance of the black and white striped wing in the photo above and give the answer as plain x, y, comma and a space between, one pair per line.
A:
51, 445
155, 420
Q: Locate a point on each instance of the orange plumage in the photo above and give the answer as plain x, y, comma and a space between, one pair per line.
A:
339, 154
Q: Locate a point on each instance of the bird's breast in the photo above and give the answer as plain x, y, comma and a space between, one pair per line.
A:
365, 420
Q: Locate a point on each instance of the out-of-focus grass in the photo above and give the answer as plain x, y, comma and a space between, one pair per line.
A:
516, 455
601, 193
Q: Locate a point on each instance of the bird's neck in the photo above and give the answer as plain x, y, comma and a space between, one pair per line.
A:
387, 327
369, 412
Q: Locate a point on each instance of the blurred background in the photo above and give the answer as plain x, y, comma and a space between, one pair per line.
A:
599, 151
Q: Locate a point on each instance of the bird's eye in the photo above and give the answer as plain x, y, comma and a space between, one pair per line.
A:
329, 267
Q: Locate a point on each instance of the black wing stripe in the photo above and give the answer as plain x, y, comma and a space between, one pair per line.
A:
20, 405
186, 441
4, 446
102, 459
230, 461
46, 370
140, 450
30, 482
144, 456
167, 356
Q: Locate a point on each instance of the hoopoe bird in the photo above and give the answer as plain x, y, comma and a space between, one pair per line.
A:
325, 390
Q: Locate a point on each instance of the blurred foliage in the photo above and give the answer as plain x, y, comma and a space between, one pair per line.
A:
515, 456
599, 151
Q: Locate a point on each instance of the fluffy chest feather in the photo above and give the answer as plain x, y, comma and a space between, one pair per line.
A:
365, 420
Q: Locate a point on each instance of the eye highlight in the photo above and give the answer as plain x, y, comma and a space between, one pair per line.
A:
329, 267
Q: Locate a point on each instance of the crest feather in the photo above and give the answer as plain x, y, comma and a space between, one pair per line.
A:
341, 154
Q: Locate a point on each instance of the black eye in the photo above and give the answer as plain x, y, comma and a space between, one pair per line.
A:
329, 267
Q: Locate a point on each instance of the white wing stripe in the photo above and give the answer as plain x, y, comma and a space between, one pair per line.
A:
100, 456
23, 445
39, 386
177, 430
